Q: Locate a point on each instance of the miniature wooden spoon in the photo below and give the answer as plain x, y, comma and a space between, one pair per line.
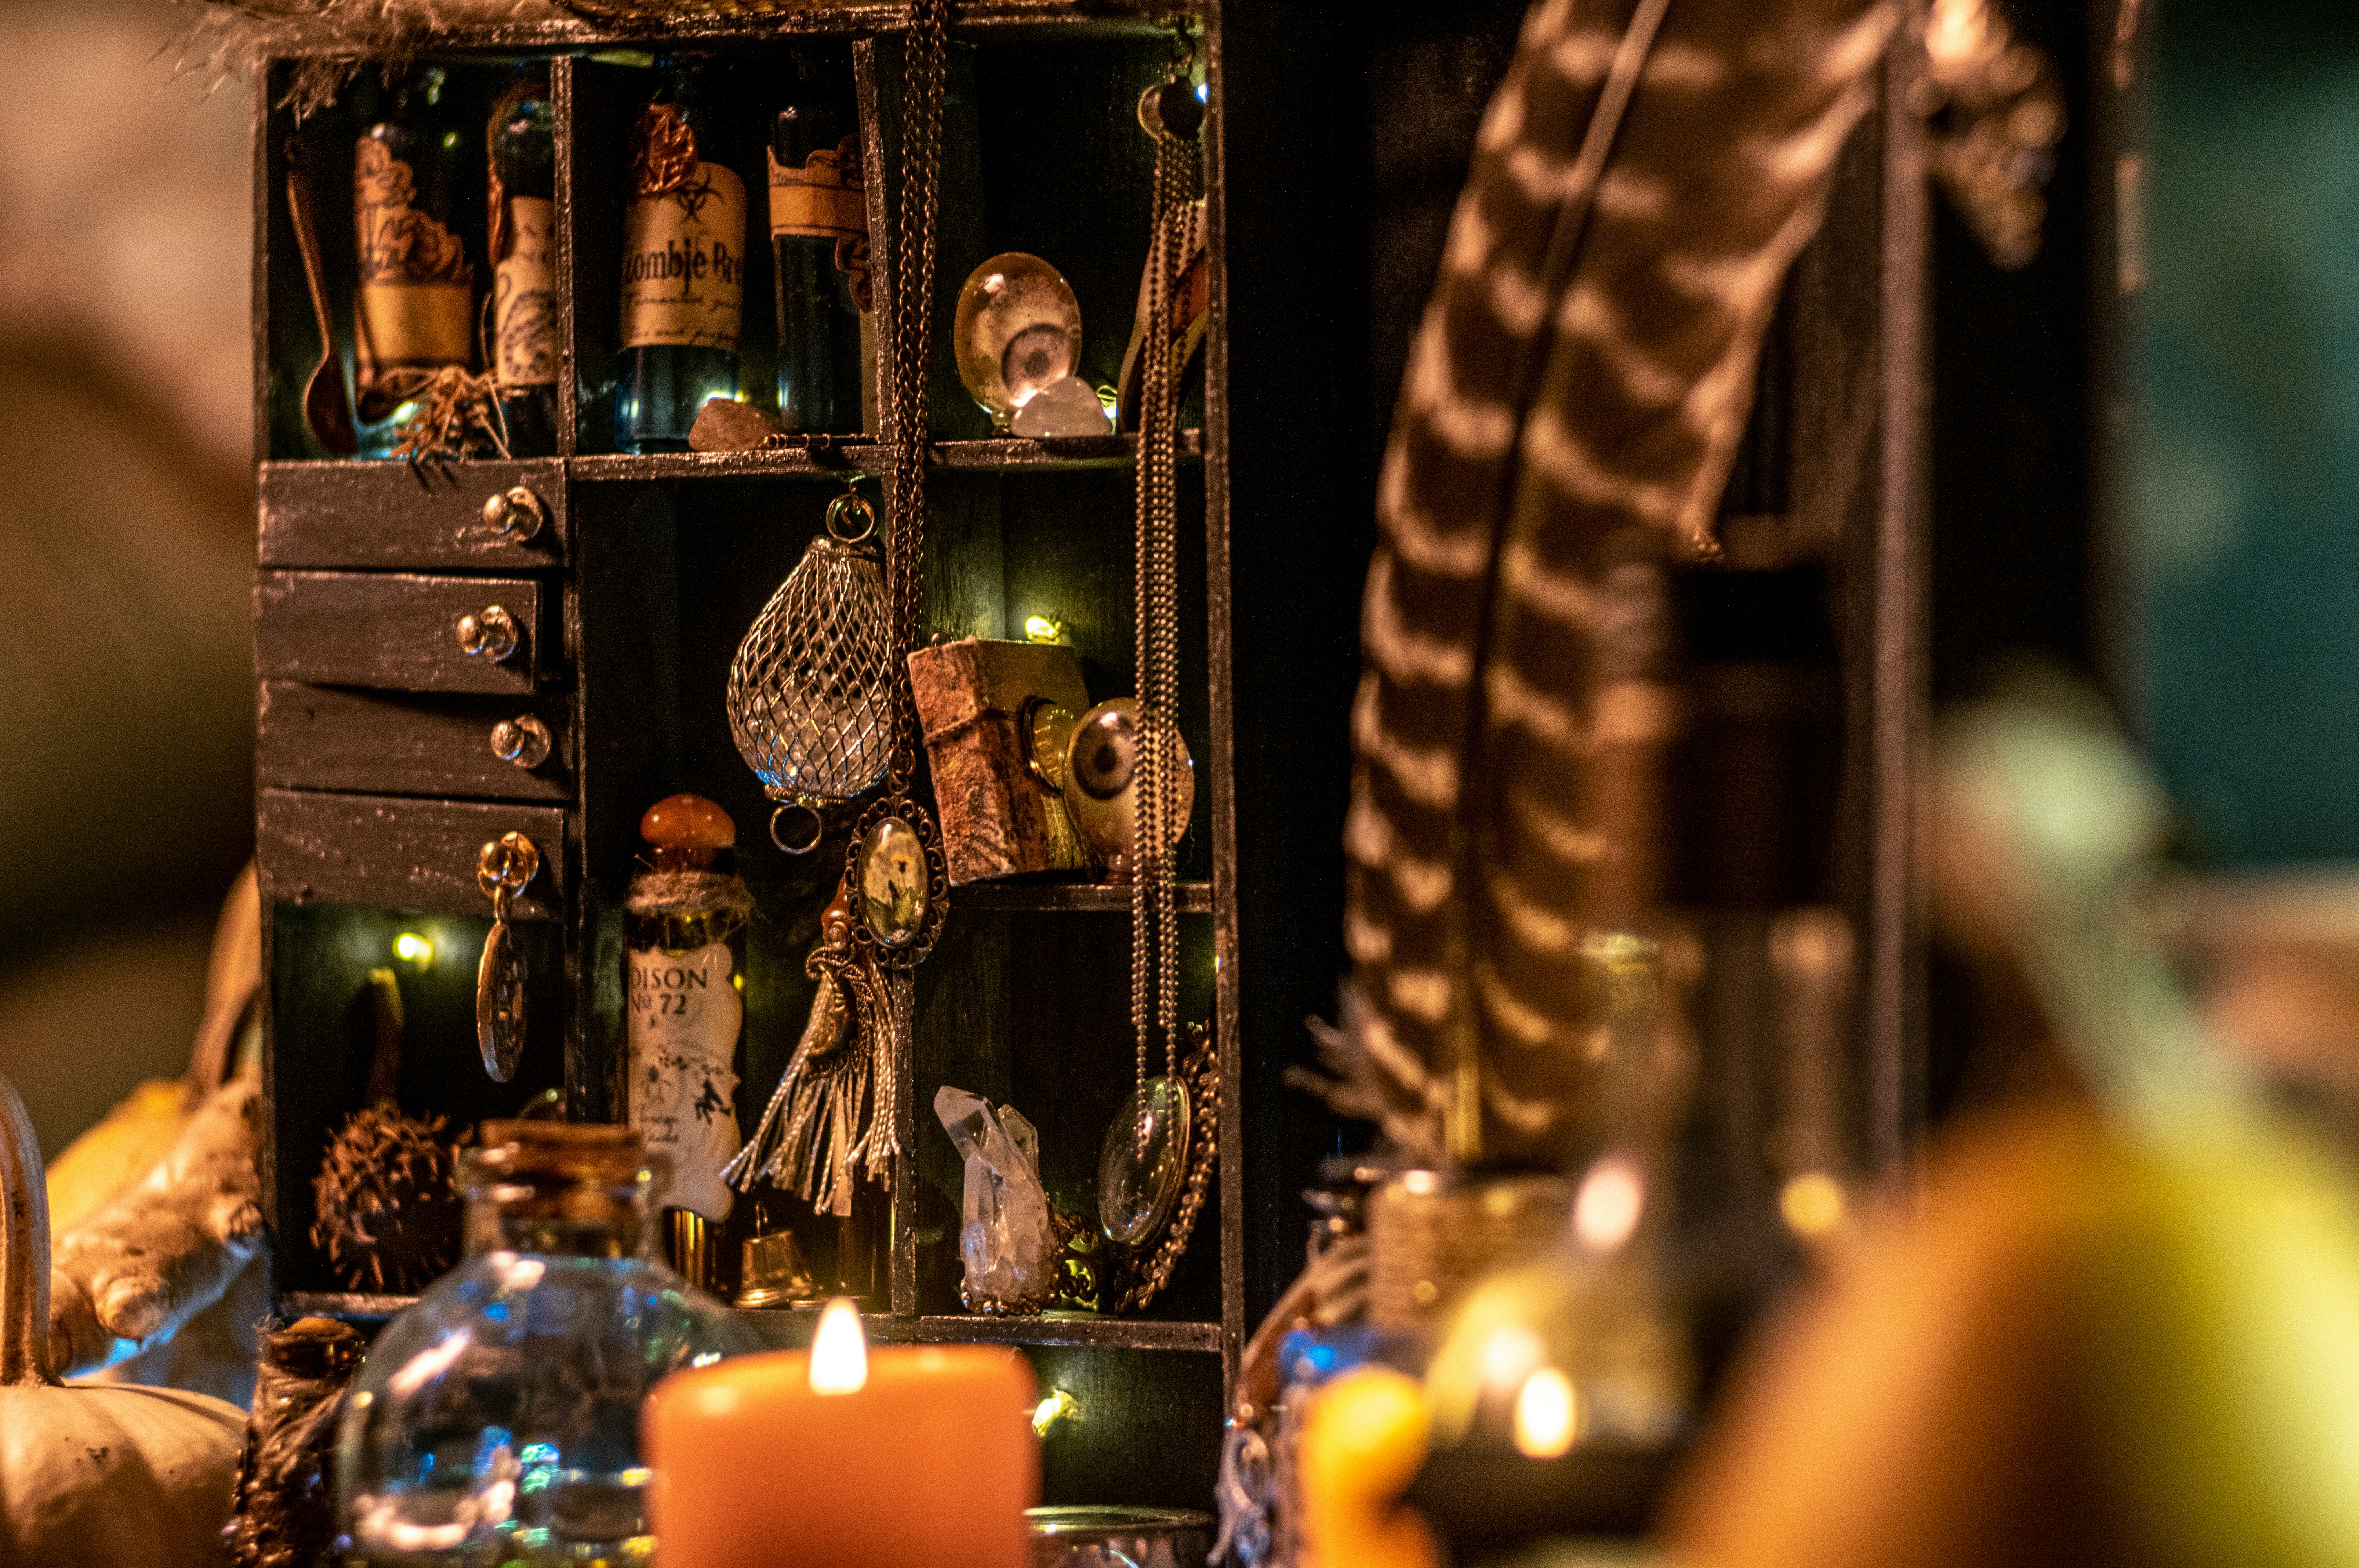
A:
324, 405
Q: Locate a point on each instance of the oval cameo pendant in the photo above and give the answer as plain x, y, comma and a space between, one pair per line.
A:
893, 894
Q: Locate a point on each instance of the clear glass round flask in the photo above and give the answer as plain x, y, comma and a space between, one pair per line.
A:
497, 1421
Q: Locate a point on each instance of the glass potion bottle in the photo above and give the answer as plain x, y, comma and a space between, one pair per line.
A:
523, 211
684, 940
683, 263
819, 239
413, 312
498, 1419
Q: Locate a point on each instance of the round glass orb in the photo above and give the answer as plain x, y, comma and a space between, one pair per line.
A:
1101, 777
1019, 328
1139, 1174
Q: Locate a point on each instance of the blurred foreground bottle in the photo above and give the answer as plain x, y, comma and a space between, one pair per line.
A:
498, 1419
413, 313
523, 212
818, 238
683, 264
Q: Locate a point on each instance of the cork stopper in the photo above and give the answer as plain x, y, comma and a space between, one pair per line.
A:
572, 1151
687, 822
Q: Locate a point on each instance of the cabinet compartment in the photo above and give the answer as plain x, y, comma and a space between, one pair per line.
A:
330, 738
323, 1034
287, 344
401, 854
397, 630
391, 515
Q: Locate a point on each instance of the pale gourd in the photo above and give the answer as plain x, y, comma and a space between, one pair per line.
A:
132, 1477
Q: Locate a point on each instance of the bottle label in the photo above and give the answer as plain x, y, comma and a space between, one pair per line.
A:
683, 241
524, 295
824, 200
684, 1018
417, 292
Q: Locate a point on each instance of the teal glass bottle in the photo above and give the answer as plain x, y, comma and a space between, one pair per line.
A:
522, 143
414, 308
818, 242
683, 262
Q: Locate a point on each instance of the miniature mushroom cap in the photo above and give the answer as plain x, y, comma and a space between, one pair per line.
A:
687, 822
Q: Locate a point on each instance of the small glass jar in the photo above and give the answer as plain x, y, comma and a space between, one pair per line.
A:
498, 1418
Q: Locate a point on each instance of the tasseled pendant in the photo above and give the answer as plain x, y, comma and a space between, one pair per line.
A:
829, 1122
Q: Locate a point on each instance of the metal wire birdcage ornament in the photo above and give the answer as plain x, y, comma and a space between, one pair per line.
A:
810, 694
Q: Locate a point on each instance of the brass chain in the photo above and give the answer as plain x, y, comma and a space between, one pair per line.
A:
1154, 903
925, 64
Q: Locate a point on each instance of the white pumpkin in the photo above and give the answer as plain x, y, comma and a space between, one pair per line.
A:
132, 1477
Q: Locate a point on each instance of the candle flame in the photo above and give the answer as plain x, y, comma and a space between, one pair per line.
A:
839, 1357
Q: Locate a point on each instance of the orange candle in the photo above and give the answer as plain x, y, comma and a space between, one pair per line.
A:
845, 1456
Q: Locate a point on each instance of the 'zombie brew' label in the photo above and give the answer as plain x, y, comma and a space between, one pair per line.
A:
683, 241
684, 1017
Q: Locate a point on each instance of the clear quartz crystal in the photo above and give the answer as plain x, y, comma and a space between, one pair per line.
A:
1005, 1239
1065, 407
498, 1419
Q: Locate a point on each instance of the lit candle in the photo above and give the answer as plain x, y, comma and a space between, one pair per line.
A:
892, 1457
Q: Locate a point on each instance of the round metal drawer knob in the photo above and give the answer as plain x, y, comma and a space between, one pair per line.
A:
524, 741
489, 633
516, 512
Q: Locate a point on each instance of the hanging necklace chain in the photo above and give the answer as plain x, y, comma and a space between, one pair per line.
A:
925, 64
1154, 904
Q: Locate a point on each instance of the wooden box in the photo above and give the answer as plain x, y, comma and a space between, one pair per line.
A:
999, 817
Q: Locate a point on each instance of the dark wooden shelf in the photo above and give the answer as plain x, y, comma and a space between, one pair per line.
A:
1117, 17
792, 1327
1195, 898
354, 1306
858, 457
1006, 455
1071, 452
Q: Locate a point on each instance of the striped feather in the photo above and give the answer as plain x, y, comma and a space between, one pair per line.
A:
1572, 402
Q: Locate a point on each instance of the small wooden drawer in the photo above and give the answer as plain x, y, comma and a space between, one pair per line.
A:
389, 853
399, 631
465, 516
313, 736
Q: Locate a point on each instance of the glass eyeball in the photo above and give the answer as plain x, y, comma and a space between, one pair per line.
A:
1101, 782
1019, 329
1104, 754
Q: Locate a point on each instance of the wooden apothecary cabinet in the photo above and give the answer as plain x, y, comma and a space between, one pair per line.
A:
378, 782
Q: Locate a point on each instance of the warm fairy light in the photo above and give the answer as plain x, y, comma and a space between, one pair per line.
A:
1058, 1406
839, 1357
1548, 1415
1606, 1210
1811, 1203
413, 949
1043, 629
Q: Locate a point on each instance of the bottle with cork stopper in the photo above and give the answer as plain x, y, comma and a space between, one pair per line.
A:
684, 978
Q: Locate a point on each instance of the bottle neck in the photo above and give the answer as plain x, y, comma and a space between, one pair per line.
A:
561, 1220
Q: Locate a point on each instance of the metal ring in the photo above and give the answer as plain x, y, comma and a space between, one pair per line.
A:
850, 501
818, 826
